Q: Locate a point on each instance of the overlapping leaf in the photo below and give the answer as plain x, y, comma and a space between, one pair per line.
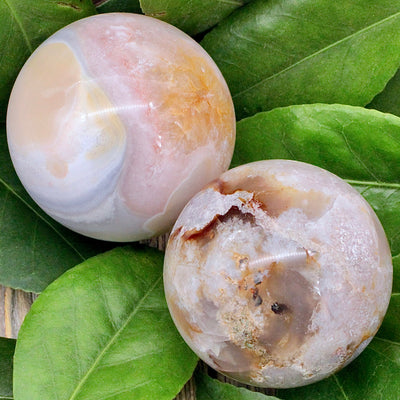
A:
102, 331
277, 53
104, 6
211, 389
389, 100
24, 25
7, 347
192, 16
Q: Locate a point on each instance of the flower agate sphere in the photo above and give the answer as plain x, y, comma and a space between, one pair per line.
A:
115, 122
278, 273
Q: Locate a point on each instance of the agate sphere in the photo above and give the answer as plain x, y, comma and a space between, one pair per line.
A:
115, 122
278, 273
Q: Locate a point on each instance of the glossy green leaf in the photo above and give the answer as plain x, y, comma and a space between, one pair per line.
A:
34, 249
385, 200
212, 389
103, 331
360, 145
396, 273
389, 100
277, 53
7, 347
23, 26
104, 6
192, 16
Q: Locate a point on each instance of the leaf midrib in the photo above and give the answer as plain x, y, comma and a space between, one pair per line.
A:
231, 2
315, 54
340, 387
391, 342
112, 340
20, 25
387, 185
26, 204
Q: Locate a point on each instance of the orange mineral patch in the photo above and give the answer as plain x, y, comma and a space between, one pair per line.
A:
195, 107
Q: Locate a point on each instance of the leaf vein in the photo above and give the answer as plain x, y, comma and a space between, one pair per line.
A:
357, 156
383, 355
3, 209
392, 193
387, 341
286, 147
128, 389
75, 332
105, 300
112, 340
20, 25
340, 387
137, 357
232, 2
33, 243
50, 360
26, 204
315, 54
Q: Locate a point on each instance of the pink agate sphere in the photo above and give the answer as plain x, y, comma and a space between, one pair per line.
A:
115, 122
278, 273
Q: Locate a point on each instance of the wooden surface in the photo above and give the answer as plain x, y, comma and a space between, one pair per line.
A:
14, 305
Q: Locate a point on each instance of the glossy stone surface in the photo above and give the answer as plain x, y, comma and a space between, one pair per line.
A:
115, 122
278, 273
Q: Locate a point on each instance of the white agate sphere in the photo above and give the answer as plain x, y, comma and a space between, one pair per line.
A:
115, 122
278, 273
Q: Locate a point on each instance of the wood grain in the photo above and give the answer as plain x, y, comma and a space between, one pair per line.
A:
15, 304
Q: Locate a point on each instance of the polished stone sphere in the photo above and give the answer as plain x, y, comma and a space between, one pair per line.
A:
115, 122
278, 273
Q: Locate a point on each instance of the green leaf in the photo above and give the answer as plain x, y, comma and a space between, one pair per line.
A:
389, 100
396, 274
104, 6
278, 53
103, 331
7, 347
34, 249
385, 200
211, 389
360, 145
23, 26
352, 142
191, 16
